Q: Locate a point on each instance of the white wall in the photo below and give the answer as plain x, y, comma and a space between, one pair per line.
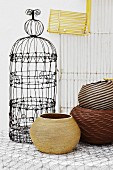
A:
12, 19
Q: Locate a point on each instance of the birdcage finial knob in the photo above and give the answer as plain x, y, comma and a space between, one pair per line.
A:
33, 12
33, 27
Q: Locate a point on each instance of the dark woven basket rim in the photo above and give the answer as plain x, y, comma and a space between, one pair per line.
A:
98, 82
94, 110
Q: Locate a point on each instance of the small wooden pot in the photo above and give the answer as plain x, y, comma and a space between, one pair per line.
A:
55, 133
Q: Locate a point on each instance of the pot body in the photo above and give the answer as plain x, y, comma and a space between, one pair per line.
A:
55, 136
96, 125
97, 95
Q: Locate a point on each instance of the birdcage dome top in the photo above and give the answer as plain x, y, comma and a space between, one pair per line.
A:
33, 45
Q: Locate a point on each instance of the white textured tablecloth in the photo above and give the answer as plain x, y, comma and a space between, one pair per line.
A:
17, 156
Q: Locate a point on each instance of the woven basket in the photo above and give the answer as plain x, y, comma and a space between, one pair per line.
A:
55, 133
97, 95
96, 125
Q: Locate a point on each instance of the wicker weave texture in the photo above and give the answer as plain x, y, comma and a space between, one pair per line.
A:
97, 95
96, 125
55, 133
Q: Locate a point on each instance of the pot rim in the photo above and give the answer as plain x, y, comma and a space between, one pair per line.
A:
57, 116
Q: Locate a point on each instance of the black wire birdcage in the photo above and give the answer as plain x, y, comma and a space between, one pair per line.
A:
33, 74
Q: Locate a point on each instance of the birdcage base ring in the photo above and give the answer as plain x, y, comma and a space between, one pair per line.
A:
23, 113
20, 134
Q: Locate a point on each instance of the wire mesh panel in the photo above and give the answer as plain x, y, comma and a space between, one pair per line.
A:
86, 59
33, 65
102, 14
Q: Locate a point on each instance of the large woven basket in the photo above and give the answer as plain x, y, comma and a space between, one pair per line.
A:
97, 95
96, 125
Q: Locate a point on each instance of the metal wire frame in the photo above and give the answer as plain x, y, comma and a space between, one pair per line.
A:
86, 59
33, 79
